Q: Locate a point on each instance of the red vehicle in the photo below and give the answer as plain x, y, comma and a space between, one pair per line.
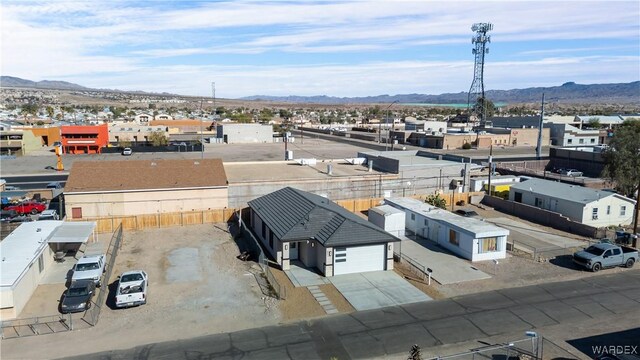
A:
28, 207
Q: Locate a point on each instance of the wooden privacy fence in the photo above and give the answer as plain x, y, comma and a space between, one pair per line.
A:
161, 220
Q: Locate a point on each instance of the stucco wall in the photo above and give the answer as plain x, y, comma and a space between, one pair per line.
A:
146, 202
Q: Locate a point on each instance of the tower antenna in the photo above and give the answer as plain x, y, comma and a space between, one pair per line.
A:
476, 100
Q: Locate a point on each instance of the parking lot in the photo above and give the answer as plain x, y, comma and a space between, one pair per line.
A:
197, 286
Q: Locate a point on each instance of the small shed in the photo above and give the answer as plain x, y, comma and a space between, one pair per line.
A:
390, 219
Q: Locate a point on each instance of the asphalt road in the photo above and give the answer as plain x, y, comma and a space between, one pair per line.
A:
30, 182
392, 331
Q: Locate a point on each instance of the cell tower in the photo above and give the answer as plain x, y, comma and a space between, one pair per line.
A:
480, 40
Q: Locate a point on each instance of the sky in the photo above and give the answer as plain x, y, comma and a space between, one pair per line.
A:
334, 48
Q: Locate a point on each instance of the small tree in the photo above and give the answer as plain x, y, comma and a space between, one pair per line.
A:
158, 138
466, 146
594, 123
436, 200
124, 142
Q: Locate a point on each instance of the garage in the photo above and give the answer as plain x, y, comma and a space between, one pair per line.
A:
356, 259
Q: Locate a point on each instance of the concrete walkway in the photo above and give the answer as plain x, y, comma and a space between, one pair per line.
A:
322, 299
377, 289
302, 276
447, 267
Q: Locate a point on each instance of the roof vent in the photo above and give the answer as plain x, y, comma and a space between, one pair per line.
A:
38, 229
153, 164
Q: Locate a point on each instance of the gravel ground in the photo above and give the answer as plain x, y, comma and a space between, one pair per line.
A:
226, 298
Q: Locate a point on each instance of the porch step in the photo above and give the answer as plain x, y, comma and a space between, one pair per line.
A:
322, 299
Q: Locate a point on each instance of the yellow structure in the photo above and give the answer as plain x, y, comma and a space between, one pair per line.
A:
499, 190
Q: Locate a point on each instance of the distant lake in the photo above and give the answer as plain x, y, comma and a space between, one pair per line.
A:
455, 106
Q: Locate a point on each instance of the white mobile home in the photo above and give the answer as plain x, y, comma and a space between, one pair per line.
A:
592, 207
470, 238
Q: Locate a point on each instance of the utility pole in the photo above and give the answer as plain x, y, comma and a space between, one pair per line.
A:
490, 168
540, 124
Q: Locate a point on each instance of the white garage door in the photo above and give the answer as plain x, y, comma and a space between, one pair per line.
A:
347, 260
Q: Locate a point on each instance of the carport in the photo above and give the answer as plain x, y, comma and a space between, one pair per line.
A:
67, 238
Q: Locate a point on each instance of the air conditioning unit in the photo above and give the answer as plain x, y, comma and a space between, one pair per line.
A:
594, 217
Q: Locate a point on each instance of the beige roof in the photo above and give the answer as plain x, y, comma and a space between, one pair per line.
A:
93, 176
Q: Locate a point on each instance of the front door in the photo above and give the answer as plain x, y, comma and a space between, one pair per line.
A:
293, 251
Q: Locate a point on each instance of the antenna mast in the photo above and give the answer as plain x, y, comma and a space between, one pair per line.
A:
476, 92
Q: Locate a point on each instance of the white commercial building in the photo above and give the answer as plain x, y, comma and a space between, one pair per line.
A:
470, 238
244, 133
592, 207
26, 255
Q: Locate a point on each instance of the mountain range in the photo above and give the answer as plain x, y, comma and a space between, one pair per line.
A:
566, 93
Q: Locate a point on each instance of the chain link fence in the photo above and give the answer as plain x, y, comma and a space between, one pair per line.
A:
254, 251
92, 315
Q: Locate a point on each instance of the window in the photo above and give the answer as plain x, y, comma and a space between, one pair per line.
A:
413, 216
76, 213
593, 141
581, 141
569, 141
271, 239
264, 231
623, 210
517, 197
426, 222
487, 245
594, 214
453, 237
40, 263
616, 252
608, 209
539, 202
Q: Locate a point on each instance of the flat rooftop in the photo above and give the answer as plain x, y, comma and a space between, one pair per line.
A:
22, 247
477, 227
240, 172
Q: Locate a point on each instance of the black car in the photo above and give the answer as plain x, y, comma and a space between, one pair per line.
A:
78, 297
467, 213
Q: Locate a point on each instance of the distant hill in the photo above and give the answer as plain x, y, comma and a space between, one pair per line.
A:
10, 81
566, 93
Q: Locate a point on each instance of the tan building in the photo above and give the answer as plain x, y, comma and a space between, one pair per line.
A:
18, 142
134, 133
495, 137
47, 135
102, 189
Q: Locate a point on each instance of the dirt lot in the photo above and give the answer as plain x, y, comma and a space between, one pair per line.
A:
196, 287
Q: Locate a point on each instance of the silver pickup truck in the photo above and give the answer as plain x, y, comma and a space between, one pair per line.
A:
605, 255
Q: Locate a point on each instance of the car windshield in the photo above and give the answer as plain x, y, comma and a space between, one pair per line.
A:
131, 277
78, 291
594, 250
85, 267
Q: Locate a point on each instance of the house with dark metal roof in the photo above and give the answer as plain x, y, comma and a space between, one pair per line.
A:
99, 189
295, 225
592, 207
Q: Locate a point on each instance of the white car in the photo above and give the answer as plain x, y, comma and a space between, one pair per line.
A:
89, 267
48, 215
127, 151
132, 289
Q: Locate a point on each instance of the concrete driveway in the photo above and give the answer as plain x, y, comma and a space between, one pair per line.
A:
377, 289
447, 267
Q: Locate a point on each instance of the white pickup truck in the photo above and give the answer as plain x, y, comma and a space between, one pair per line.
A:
89, 267
132, 289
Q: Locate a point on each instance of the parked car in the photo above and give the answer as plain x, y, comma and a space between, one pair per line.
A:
467, 213
127, 151
557, 170
48, 215
11, 188
54, 185
29, 207
89, 268
571, 172
605, 255
7, 215
132, 289
57, 143
78, 297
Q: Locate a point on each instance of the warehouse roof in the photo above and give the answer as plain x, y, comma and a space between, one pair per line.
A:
293, 214
123, 175
558, 190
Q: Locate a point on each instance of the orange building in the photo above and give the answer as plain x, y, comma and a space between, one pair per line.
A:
80, 139
49, 135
